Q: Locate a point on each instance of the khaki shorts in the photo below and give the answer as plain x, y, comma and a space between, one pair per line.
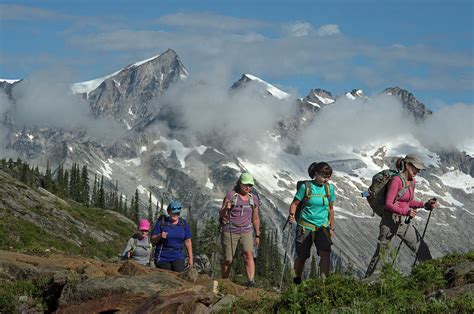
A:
245, 239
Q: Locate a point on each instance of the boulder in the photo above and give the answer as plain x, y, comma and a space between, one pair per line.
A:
190, 299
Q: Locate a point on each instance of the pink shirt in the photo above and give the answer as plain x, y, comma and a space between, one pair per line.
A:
404, 203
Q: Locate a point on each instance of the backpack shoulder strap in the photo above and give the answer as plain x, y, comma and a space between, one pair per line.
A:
327, 188
134, 244
307, 190
251, 202
402, 191
235, 195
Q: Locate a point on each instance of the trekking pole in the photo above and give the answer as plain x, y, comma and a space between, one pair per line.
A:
407, 222
159, 252
286, 252
422, 237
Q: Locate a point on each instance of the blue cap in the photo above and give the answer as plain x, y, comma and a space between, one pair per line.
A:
174, 207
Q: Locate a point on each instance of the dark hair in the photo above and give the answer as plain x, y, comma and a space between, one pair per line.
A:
400, 164
321, 168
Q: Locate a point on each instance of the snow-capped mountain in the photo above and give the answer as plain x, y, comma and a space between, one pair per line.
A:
267, 89
172, 163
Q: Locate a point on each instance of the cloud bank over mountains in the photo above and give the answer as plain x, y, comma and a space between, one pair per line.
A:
278, 50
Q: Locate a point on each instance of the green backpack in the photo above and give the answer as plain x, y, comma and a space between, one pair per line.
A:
378, 190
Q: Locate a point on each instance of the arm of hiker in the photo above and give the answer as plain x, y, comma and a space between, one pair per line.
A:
126, 252
292, 210
400, 208
331, 219
188, 243
189, 249
156, 234
416, 204
223, 212
256, 224
331, 210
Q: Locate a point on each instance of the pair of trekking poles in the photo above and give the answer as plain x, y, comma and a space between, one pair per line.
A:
407, 221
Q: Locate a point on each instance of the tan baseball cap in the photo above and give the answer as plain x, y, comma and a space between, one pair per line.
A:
415, 160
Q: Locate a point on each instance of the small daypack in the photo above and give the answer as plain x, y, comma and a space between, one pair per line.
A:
378, 190
307, 195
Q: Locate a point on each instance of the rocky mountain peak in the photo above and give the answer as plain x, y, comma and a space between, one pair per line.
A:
268, 89
130, 94
410, 103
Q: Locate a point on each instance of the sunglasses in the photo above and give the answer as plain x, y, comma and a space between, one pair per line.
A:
247, 186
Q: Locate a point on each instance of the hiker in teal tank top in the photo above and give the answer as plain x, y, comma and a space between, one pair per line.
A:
316, 210
313, 210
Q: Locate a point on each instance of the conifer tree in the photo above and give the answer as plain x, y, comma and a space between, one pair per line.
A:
101, 198
194, 230
120, 204
48, 180
66, 183
94, 197
24, 174
60, 181
85, 186
136, 207
125, 207
150, 209
209, 242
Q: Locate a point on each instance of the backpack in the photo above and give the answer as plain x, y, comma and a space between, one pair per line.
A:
163, 223
233, 202
307, 196
135, 245
378, 190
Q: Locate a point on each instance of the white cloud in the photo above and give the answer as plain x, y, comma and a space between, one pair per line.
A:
328, 30
298, 29
347, 124
44, 100
208, 21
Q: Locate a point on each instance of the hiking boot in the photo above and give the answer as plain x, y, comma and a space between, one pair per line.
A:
250, 284
297, 280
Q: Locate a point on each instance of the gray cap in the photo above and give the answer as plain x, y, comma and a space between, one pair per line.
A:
415, 160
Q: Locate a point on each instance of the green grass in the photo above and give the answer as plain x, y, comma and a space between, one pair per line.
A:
21, 293
393, 293
17, 234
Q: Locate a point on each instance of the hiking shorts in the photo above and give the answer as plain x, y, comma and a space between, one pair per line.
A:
245, 239
305, 238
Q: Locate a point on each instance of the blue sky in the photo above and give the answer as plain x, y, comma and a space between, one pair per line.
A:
425, 46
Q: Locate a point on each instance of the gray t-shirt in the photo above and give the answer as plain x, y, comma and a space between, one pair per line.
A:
141, 250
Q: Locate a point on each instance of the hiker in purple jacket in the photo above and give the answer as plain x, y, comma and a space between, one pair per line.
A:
397, 209
239, 218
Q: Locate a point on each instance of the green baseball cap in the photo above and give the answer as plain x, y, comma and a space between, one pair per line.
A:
246, 178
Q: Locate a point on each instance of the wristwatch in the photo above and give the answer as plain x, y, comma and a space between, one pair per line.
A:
332, 228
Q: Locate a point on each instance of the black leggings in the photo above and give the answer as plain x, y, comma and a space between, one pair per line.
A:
177, 265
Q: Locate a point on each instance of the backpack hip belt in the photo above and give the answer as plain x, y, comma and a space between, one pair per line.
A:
307, 225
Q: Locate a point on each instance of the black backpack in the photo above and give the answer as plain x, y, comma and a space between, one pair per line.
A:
307, 195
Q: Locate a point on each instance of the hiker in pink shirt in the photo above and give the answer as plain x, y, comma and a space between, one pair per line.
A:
395, 219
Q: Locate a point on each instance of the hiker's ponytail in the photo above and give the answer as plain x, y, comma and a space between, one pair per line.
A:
400, 164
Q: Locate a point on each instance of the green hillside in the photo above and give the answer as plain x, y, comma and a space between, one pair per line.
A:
33, 220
